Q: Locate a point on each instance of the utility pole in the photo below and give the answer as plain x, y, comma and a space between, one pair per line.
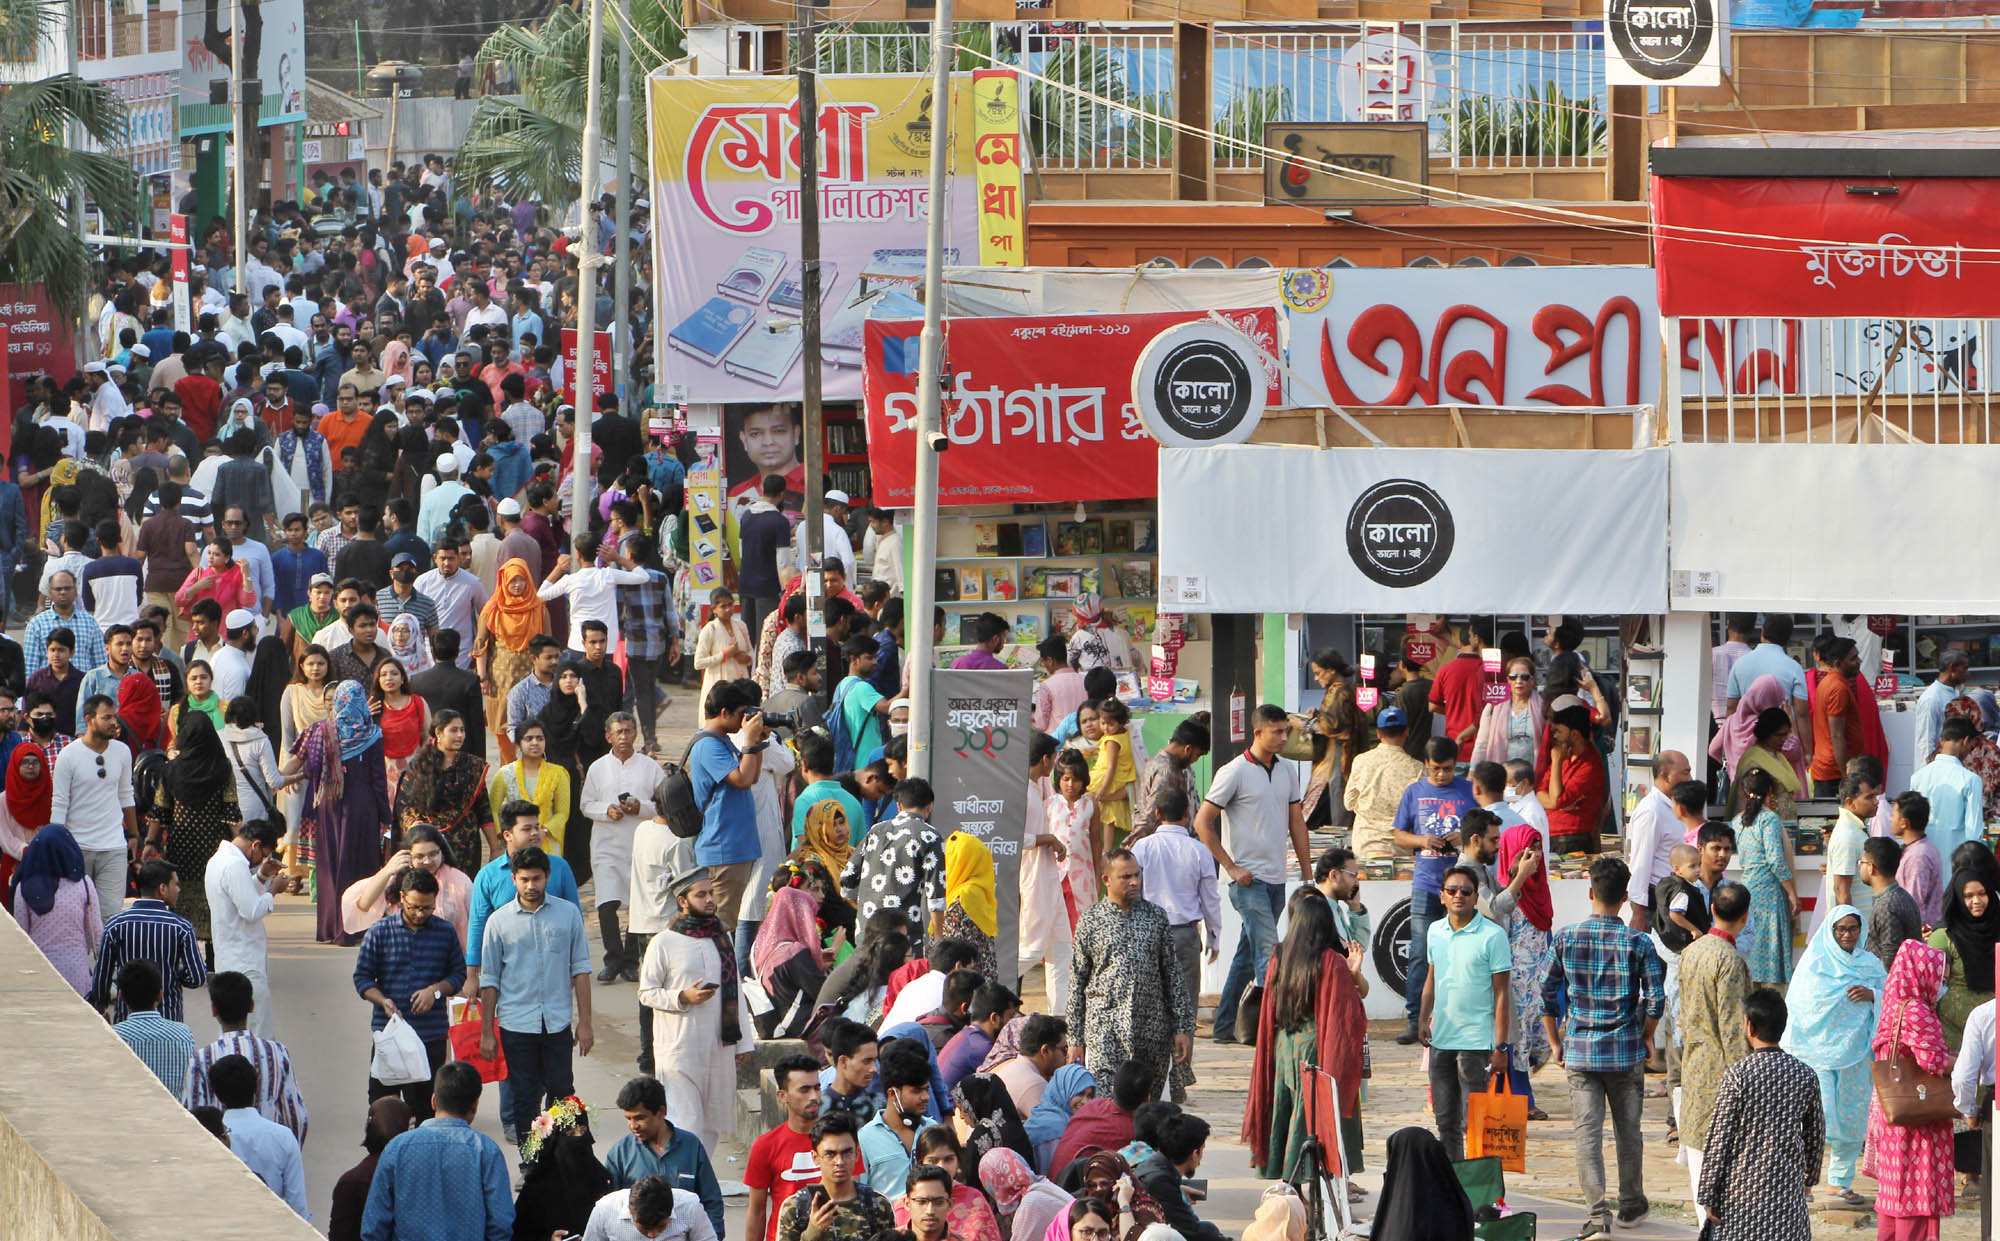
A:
815, 426
621, 271
239, 217
921, 584
586, 268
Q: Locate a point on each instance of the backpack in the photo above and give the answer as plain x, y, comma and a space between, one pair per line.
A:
684, 815
837, 729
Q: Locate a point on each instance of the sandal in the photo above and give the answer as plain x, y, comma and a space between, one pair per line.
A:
1847, 1196
1356, 1194
1535, 1113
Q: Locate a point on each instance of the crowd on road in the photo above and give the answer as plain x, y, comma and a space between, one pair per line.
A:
273, 641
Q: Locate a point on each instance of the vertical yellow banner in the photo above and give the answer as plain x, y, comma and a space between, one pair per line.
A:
704, 502
996, 132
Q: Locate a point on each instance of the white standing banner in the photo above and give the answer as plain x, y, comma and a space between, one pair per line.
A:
1267, 528
1513, 336
1829, 528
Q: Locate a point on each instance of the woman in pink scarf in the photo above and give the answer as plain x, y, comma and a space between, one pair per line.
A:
1739, 732
1911, 1164
788, 961
395, 360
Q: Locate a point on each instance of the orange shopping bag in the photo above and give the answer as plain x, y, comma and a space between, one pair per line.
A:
464, 1036
1496, 1123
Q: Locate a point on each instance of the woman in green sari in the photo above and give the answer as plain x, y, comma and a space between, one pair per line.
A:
1772, 731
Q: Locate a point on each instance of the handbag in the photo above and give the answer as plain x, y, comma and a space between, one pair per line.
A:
1299, 745
1496, 1123
1909, 1096
400, 1058
464, 1036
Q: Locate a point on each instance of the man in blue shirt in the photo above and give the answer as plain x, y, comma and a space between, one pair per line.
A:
409, 966
1467, 1007
520, 828
723, 779
443, 1180
1426, 823
534, 958
1770, 658
294, 566
654, 1147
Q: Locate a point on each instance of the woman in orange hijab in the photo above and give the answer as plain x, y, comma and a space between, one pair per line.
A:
508, 622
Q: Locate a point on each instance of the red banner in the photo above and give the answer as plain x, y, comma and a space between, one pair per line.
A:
600, 364
39, 341
177, 232
1040, 409
1916, 248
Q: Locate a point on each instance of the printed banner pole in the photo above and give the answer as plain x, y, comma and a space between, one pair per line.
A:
979, 770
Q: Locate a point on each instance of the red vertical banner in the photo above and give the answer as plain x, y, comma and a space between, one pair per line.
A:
177, 232
600, 365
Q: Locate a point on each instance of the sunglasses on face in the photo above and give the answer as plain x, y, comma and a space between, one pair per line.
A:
1459, 889
1521, 676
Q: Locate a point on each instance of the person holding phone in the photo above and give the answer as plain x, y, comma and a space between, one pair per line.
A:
839, 1207
1506, 905
701, 1020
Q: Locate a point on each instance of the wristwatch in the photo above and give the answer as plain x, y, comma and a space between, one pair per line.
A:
437, 996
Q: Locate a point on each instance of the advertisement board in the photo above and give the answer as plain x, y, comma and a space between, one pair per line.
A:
1041, 409
274, 55
979, 767
1509, 336
727, 201
39, 340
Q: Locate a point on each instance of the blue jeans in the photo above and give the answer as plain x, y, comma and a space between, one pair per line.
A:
1425, 908
746, 936
1258, 904
539, 1069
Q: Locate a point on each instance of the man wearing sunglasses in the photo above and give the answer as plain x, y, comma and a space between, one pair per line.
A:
1466, 1013
93, 798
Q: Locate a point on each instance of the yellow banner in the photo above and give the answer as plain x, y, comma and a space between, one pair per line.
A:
996, 132
704, 503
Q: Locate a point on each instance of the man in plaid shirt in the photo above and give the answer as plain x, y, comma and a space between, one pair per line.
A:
646, 620
1617, 991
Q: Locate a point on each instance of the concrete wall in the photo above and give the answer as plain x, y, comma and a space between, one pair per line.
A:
92, 1147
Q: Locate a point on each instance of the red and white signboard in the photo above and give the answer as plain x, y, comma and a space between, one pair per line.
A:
600, 364
39, 341
177, 232
1040, 409
1509, 336
1917, 248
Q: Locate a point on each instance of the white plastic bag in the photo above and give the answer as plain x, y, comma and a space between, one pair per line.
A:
400, 1058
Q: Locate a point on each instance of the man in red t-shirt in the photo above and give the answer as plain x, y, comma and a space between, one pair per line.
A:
1836, 734
1458, 692
201, 398
781, 1161
1573, 787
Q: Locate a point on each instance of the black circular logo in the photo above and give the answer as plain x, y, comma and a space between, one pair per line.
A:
1391, 949
1661, 39
1203, 389
1399, 533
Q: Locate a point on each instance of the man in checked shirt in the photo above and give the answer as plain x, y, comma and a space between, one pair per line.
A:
1617, 991
646, 621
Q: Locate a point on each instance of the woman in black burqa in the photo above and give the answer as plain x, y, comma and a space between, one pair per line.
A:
1421, 1197
561, 1185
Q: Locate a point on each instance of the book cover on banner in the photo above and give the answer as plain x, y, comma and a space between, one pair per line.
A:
767, 355
715, 325
841, 338
790, 295
726, 202
753, 275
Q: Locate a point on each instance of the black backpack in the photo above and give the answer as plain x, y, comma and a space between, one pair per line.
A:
683, 813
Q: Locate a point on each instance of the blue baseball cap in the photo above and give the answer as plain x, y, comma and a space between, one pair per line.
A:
1391, 717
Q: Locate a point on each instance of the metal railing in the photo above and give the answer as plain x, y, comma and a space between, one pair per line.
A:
1533, 99
1834, 381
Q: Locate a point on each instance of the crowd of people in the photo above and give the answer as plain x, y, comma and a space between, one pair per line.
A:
274, 643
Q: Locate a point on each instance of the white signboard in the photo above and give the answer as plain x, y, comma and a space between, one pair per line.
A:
1512, 336
1831, 528
1666, 42
1419, 529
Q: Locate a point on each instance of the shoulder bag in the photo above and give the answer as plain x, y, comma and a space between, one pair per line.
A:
678, 806
1909, 1096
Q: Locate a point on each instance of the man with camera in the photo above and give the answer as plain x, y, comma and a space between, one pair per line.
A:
617, 794
723, 776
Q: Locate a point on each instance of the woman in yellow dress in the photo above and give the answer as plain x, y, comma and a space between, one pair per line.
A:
971, 897
531, 777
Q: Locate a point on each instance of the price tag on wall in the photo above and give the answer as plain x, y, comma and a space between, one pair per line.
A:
1885, 685
1421, 650
1159, 688
1365, 698
1495, 692
1239, 713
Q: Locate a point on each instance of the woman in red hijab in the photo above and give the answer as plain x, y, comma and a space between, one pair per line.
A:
25, 808
139, 711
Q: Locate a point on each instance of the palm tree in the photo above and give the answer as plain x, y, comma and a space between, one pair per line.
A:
40, 167
534, 144
1240, 125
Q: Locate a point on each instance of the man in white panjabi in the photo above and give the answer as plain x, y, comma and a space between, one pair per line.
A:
701, 1021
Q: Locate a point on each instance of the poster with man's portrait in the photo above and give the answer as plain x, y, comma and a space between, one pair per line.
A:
758, 441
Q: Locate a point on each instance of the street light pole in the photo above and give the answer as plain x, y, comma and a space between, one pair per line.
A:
921, 584
239, 219
621, 272
809, 278
587, 263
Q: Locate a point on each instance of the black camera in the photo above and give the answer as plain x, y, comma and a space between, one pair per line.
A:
781, 719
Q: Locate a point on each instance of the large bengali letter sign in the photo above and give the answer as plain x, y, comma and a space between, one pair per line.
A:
1040, 409
725, 173
1508, 336
980, 730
